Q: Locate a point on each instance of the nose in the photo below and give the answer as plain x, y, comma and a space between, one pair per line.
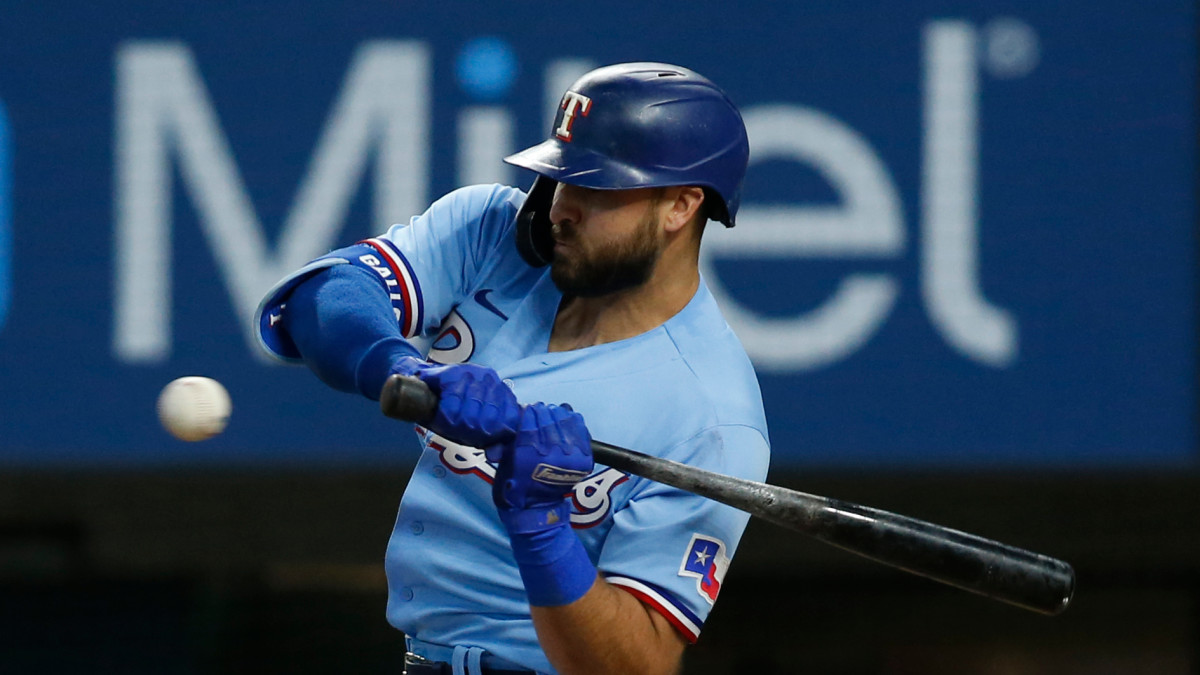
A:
564, 206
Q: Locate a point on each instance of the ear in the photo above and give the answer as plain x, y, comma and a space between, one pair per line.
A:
682, 204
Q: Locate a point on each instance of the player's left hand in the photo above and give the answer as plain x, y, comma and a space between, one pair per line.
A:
475, 406
552, 451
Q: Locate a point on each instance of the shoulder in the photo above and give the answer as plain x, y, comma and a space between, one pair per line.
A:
713, 361
476, 220
499, 202
487, 206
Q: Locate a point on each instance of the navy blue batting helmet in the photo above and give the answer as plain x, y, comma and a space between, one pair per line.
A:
635, 125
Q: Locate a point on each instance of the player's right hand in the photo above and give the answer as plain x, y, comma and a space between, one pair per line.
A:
475, 407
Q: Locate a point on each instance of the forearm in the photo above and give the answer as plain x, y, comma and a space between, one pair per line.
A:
608, 631
343, 324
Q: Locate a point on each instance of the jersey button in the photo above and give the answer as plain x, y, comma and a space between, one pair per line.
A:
439, 471
416, 527
406, 593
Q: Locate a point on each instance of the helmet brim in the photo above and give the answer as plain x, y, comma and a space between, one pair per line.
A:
568, 164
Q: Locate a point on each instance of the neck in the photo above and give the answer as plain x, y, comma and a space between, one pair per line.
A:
586, 322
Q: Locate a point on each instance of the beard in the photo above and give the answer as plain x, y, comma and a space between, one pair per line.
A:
613, 267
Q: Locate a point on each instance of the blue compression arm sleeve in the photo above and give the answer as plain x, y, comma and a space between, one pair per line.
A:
342, 322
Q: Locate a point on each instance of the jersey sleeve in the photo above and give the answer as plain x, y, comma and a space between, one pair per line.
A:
670, 548
426, 265
440, 253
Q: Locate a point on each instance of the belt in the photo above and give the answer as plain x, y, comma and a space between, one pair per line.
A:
415, 665
426, 658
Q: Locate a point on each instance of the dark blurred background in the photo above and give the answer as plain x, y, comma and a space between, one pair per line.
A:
965, 270
237, 573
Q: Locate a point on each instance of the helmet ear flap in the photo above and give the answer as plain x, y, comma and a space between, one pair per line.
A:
534, 241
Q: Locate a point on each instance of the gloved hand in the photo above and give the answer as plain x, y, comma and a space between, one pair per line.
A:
552, 451
475, 407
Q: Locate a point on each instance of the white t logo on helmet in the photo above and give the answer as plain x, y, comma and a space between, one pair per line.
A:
572, 104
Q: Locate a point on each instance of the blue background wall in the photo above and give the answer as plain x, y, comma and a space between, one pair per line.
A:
1080, 126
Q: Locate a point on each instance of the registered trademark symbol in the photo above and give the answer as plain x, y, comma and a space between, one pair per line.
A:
1010, 48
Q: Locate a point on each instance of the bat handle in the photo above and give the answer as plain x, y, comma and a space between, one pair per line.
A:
408, 398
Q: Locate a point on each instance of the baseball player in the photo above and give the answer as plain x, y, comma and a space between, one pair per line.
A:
573, 311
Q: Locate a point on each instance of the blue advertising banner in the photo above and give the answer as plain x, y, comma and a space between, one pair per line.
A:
5, 216
968, 236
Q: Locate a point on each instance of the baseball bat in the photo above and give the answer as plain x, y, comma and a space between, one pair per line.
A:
967, 561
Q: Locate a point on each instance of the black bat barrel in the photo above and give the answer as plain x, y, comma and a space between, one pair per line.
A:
998, 571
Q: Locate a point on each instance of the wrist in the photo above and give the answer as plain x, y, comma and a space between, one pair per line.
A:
555, 567
375, 365
532, 520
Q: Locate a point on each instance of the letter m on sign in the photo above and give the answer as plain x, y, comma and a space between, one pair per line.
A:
163, 112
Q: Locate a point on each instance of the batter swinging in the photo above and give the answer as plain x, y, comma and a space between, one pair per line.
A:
513, 552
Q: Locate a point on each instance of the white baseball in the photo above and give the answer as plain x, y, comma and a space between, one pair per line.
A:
194, 408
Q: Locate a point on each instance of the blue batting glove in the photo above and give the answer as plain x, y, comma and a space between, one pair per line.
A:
552, 451
475, 407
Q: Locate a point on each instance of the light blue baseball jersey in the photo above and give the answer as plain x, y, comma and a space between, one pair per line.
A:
684, 391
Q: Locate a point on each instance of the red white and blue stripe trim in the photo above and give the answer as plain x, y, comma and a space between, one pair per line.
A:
684, 620
406, 295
